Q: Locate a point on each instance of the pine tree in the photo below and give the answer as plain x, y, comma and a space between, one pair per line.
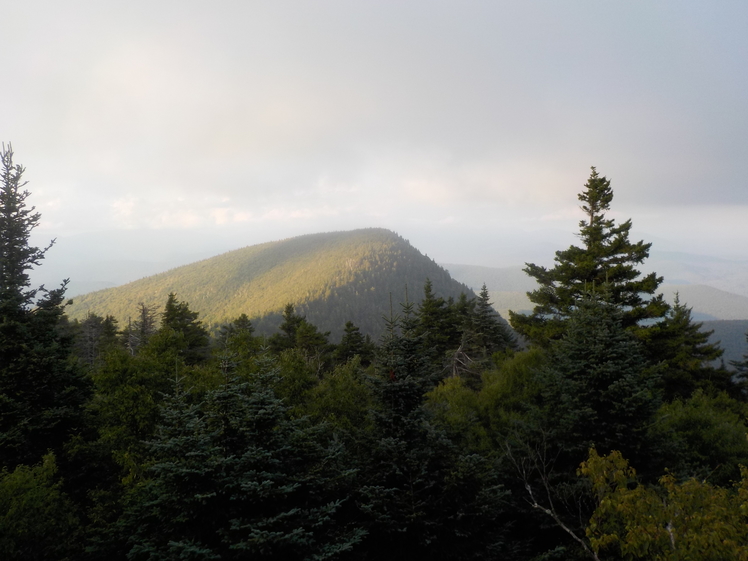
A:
606, 257
685, 354
437, 324
138, 332
233, 477
421, 497
741, 366
353, 343
491, 334
178, 319
286, 339
598, 388
94, 336
41, 393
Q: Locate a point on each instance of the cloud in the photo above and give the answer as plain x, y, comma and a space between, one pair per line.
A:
456, 116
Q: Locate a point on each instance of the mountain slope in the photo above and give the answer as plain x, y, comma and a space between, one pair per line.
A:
731, 336
330, 278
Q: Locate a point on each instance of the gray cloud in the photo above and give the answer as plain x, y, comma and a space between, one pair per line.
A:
420, 116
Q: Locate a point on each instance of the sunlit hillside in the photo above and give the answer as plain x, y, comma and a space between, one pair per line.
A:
329, 277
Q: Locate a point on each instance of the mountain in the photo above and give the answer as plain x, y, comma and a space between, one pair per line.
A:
731, 336
707, 302
330, 278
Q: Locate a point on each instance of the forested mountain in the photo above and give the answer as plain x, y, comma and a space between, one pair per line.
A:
731, 336
330, 278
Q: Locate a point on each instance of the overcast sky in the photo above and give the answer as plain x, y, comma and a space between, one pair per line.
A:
466, 126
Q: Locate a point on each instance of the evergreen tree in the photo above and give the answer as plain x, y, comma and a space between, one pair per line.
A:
286, 339
421, 497
238, 339
297, 333
177, 318
93, 336
489, 332
598, 388
685, 354
38, 521
438, 324
41, 393
353, 344
595, 389
138, 333
234, 478
606, 257
741, 366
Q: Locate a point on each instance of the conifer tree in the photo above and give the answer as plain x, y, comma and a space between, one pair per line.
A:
490, 333
606, 256
598, 388
138, 332
686, 354
741, 366
177, 318
41, 393
353, 343
233, 477
421, 497
437, 324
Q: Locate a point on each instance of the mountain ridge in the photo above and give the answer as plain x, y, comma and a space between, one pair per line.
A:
330, 277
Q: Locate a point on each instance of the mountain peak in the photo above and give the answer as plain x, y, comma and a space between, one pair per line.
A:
329, 277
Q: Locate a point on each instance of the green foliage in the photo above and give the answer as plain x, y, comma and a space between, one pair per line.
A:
298, 377
139, 332
703, 437
129, 391
606, 257
684, 353
93, 337
688, 520
41, 392
741, 366
238, 339
597, 388
421, 496
343, 401
37, 520
438, 324
233, 477
490, 334
178, 319
354, 344
296, 333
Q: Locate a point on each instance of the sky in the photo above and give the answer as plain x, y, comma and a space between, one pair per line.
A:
188, 128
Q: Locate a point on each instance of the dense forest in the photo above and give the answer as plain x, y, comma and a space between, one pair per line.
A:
598, 429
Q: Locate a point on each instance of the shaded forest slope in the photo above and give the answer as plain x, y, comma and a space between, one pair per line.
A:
330, 278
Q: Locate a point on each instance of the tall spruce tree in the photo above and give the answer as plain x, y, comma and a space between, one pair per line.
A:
607, 256
490, 332
177, 319
686, 356
41, 393
598, 388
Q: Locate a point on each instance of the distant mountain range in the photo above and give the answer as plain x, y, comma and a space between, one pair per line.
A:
330, 278
508, 287
723, 312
